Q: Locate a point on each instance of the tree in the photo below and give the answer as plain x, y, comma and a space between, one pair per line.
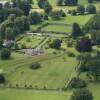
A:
18, 22
2, 79
94, 23
45, 17
59, 2
90, 1
5, 12
5, 53
26, 22
81, 94
84, 45
81, 9
1, 42
74, 12
44, 4
76, 82
56, 44
56, 14
93, 66
41, 3
71, 2
76, 30
9, 34
35, 18
47, 8
91, 9
24, 5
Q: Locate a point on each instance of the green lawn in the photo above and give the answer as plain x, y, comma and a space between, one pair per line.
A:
55, 70
80, 19
13, 94
57, 28
68, 20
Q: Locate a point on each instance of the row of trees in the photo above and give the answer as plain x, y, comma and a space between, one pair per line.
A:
90, 9
24, 5
67, 2
71, 2
17, 7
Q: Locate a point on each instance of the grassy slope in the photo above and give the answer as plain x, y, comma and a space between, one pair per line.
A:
8, 94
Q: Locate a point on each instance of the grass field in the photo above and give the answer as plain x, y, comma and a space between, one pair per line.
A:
13, 94
57, 28
67, 20
53, 74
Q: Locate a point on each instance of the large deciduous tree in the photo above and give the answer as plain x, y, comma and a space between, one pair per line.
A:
5, 54
81, 94
84, 45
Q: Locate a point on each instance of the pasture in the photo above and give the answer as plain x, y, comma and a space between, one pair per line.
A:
47, 82
14, 94
57, 28
59, 25
54, 72
72, 19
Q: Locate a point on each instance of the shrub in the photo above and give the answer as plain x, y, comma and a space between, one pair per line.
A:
35, 17
69, 44
91, 9
69, 12
35, 66
81, 94
23, 46
77, 83
16, 46
71, 54
57, 14
5, 54
84, 45
2, 78
74, 12
28, 40
56, 44
81, 9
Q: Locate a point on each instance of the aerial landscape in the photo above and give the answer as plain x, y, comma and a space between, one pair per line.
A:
49, 49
